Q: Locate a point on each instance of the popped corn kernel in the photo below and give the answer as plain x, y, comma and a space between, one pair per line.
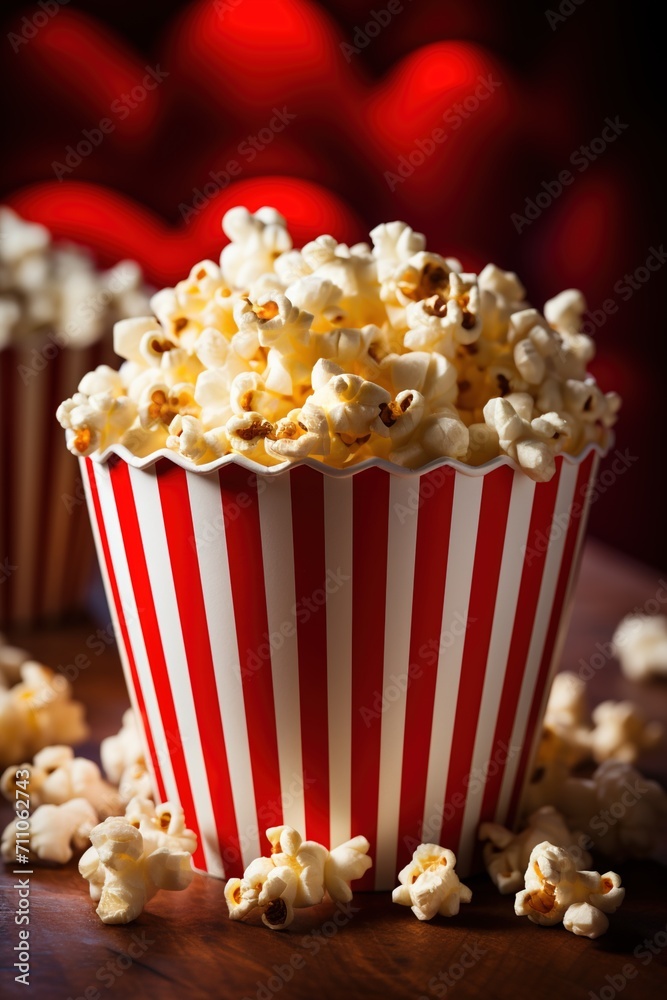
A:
392, 352
555, 891
429, 884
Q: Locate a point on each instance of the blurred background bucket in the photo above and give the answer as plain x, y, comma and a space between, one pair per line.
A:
47, 555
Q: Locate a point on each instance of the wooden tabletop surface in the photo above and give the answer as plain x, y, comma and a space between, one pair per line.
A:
184, 945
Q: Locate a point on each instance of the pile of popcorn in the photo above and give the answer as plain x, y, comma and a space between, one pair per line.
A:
342, 354
57, 290
134, 847
36, 707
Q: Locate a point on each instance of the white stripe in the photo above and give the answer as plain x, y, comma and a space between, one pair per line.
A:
31, 401
568, 478
275, 513
153, 532
206, 507
401, 551
485, 753
132, 622
338, 557
563, 629
460, 562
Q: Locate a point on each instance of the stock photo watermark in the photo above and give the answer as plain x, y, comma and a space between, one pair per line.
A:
624, 288
377, 21
564, 11
472, 784
248, 149
115, 967
32, 23
581, 159
622, 461
443, 981
453, 118
301, 613
429, 654
119, 109
645, 952
605, 652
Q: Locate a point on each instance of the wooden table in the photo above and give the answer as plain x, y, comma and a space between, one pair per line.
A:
185, 945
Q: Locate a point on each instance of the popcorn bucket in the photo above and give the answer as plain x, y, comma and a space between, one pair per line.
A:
362, 651
46, 549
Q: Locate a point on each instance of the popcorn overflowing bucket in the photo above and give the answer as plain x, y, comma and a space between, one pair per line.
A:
360, 651
46, 552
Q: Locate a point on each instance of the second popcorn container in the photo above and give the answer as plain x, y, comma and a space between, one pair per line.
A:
360, 651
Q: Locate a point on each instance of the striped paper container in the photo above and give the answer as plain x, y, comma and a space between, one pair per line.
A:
46, 551
364, 651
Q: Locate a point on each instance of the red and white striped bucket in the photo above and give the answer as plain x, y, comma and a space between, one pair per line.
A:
46, 551
350, 652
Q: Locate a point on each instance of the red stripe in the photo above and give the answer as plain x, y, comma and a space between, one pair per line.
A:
143, 596
578, 510
432, 548
544, 501
240, 506
124, 635
494, 509
307, 488
370, 527
179, 529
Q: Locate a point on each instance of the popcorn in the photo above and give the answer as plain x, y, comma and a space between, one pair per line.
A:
57, 776
342, 354
556, 891
124, 872
568, 720
161, 826
56, 288
531, 441
135, 781
297, 874
623, 813
640, 643
507, 854
345, 864
622, 733
429, 884
122, 750
56, 831
256, 240
11, 660
37, 712
446, 319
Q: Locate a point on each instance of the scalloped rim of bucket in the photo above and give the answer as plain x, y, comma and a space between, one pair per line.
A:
120, 451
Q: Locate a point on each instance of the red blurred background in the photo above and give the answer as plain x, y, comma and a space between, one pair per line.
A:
505, 132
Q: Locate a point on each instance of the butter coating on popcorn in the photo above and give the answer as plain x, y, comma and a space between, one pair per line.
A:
55, 289
555, 891
429, 884
342, 354
297, 874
